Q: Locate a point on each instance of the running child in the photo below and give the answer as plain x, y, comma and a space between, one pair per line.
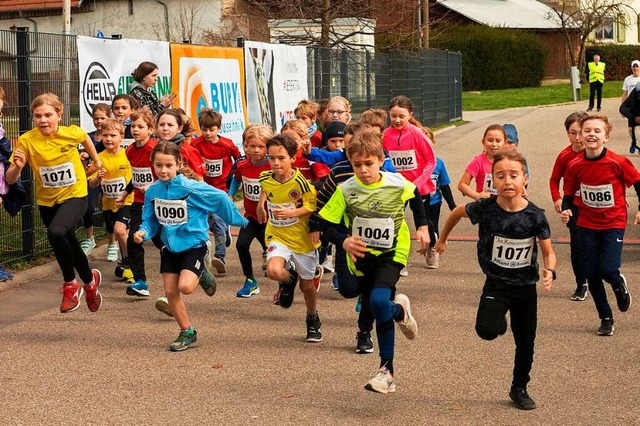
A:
113, 178
178, 208
51, 150
247, 172
290, 198
313, 171
479, 169
219, 154
509, 225
560, 169
602, 177
377, 243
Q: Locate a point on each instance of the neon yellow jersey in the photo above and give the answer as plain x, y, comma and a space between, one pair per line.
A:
56, 164
375, 213
296, 192
118, 176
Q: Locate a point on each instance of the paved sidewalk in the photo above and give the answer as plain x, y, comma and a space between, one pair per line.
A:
253, 367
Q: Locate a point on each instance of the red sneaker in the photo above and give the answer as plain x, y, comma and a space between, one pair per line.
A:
71, 294
92, 292
317, 277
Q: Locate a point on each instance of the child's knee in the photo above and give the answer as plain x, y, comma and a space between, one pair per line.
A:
276, 272
486, 333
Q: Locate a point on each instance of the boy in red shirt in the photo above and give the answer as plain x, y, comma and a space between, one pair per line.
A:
307, 111
219, 154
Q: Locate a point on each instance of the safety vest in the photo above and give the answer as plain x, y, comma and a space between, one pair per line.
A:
596, 72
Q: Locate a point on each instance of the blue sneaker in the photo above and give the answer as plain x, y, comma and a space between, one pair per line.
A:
334, 282
5, 275
138, 288
359, 304
632, 149
249, 288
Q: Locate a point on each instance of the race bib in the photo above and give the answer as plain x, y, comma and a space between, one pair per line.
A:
113, 188
598, 197
377, 233
511, 253
488, 184
141, 177
126, 142
404, 160
279, 206
213, 167
58, 176
251, 189
171, 212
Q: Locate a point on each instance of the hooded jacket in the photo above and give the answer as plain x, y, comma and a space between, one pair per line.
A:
146, 97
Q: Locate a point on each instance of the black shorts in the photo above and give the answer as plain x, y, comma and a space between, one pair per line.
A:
192, 260
123, 215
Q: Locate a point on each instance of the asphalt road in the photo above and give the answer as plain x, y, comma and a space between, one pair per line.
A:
253, 367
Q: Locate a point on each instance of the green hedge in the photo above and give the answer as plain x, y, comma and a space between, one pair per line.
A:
495, 58
617, 57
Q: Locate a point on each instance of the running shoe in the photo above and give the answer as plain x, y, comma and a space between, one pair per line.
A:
314, 331
208, 282
623, 297
606, 327
317, 277
139, 288
327, 265
404, 272
112, 252
335, 284
382, 381
632, 149
364, 344
288, 287
580, 294
229, 238
186, 339
408, 325
432, 259
71, 294
249, 288
87, 245
219, 266
162, 304
521, 398
5, 275
92, 294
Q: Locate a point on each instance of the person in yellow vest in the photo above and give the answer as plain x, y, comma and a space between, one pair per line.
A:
595, 71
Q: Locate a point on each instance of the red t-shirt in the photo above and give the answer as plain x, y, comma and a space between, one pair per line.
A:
192, 158
602, 183
218, 158
248, 173
316, 139
143, 173
560, 169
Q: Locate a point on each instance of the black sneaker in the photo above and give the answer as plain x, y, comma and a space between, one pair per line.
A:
288, 288
580, 294
364, 344
314, 331
623, 297
208, 283
521, 398
606, 327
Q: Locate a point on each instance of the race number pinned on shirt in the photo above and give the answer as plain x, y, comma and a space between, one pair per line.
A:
404, 160
597, 197
281, 206
512, 253
434, 179
170, 212
213, 167
488, 184
377, 233
141, 177
124, 143
113, 188
251, 188
58, 176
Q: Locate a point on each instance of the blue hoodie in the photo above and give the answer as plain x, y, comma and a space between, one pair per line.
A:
190, 230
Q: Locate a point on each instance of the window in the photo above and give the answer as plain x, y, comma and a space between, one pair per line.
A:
605, 31
621, 29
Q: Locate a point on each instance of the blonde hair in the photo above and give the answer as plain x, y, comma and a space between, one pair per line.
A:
112, 123
345, 103
307, 108
296, 126
260, 131
50, 99
366, 142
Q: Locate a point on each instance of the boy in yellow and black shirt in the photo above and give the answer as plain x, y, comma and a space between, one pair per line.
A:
290, 198
371, 203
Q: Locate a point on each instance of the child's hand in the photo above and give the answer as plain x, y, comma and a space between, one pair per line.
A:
558, 206
441, 246
355, 247
306, 146
484, 194
120, 200
637, 219
315, 237
84, 156
19, 158
262, 214
102, 172
422, 235
547, 279
167, 100
281, 213
566, 215
138, 236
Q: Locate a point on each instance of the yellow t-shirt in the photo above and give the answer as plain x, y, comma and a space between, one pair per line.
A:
56, 164
116, 179
296, 192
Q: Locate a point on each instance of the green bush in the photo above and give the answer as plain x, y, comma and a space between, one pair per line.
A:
617, 57
495, 58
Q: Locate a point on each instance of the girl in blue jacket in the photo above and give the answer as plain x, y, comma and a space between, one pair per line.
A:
178, 207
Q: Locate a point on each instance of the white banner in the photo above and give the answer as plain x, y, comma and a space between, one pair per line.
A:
276, 78
106, 68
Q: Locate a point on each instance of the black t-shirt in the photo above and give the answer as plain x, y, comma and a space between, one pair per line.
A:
507, 248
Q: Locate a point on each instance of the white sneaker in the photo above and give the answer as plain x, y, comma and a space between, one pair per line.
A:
408, 325
87, 245
207, 257
162, 304
112, 252
382, 381
327, 265
404, 272
432, 258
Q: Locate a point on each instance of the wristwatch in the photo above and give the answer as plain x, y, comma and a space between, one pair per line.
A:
553, 273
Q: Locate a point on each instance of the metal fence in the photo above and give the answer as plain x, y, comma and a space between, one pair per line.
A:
32, 63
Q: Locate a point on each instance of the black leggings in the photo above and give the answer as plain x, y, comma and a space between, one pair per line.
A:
136, 251
253, 230
61, 221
